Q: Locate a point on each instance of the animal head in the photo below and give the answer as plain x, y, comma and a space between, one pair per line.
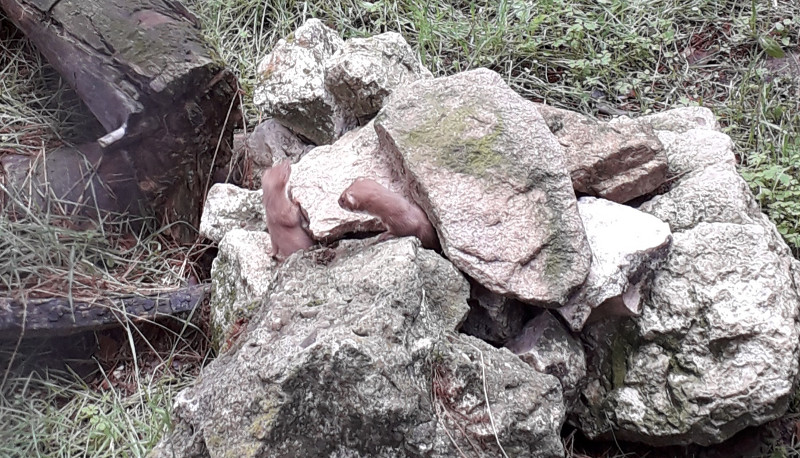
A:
276, 177
361, 190
347, 201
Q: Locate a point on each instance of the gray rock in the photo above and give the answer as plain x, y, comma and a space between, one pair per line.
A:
241, 275
627, 245
796, 272
618, 162
366, 70
716, 194
527, 409
678, 120
269, 142
359, 358
547, 346
491, 178
326, 171
695, 150
716, 348
230, 207
494, 318
292, 84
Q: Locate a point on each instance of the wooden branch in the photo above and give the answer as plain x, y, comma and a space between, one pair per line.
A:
53, 317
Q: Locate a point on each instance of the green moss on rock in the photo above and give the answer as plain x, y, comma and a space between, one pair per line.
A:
444, 137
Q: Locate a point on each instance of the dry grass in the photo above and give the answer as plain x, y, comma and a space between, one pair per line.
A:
118, 401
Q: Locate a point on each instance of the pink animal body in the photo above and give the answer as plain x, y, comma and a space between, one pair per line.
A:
401, 217
284, 218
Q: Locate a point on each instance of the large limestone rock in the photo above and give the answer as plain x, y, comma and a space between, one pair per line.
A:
292, 84
366, 70
618, 162
716, 347
677, 120
716, 194
491, 177
325, 172
241, 275
696, 149
627, 245
321, 86
230, 207
357, 356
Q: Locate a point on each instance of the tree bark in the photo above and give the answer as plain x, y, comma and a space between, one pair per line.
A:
56, 316
166, 103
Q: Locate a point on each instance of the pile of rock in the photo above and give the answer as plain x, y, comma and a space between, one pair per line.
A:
671, 321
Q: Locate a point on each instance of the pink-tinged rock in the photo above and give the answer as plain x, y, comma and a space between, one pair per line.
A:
363, 73
292, 84
627, 245
618, 162
491, 177
321, 176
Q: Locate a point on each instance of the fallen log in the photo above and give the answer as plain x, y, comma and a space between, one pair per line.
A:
166, 104
56, 316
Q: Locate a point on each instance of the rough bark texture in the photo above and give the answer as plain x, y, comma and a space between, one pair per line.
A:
56, 316
142, 69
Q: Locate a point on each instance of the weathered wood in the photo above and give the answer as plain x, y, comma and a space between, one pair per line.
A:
53, 317
143, 70
119, 55
71, 178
